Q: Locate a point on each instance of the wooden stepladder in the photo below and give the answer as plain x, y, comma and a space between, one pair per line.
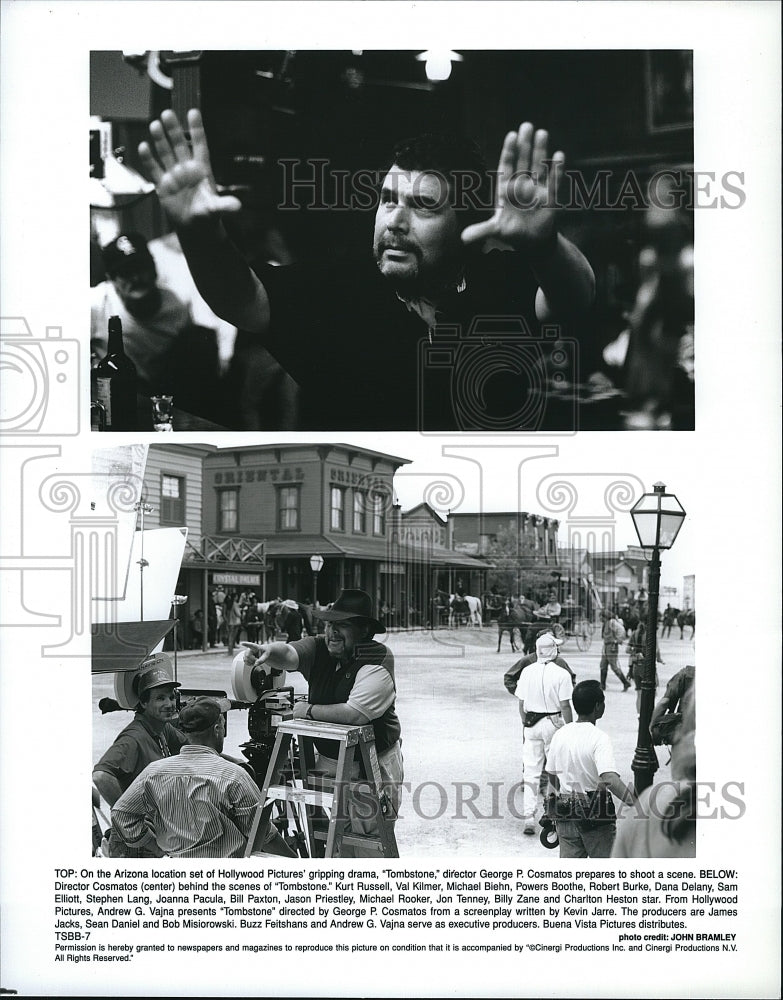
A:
333, 799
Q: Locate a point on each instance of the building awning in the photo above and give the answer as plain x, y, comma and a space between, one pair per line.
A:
303, 546
354, 547
450, 557
121, 646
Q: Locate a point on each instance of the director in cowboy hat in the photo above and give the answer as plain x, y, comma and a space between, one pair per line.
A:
351, 682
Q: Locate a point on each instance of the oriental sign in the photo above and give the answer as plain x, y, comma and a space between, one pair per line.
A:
278, 474
365, 480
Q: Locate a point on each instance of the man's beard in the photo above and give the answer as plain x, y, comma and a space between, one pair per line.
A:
416, 281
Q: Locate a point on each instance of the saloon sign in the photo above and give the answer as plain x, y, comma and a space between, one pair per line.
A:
238, 579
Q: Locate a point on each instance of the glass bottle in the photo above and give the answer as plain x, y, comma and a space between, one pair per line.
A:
115, 382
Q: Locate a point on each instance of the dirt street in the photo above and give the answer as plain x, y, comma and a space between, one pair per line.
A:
461, 733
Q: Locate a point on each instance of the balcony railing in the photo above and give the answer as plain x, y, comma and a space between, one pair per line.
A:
236, 550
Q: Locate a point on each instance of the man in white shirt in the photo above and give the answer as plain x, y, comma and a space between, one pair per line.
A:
581, 766
197, 804
544, 692
153, 317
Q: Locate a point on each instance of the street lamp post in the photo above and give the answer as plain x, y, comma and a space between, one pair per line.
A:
316, 565
657, 518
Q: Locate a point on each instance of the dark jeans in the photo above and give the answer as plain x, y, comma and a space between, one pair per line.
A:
580, 840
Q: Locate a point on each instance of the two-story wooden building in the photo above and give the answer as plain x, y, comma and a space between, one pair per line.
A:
256, 514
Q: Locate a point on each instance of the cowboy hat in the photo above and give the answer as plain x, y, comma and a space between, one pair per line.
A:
351, 604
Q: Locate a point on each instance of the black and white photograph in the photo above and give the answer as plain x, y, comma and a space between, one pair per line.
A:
342, 616
251, 561
378, 225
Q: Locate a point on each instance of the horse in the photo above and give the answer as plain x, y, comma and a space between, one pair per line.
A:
268, 626
465, 608
630, 617
252, 622
512, 619
687, 618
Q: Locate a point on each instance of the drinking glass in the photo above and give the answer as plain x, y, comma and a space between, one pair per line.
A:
162, 413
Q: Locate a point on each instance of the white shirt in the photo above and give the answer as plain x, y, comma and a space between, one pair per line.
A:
372, 691
578, 754
542, 686
147, 342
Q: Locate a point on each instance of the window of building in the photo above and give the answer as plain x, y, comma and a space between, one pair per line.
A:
172, 499
359, 512
378, 515
337, 519
228, 510
288, 508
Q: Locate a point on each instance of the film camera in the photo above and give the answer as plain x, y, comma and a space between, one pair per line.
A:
269, 702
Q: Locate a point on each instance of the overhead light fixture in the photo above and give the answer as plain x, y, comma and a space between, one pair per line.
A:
437, 63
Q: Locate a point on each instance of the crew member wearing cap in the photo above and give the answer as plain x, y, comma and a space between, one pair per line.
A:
194, 805
153, 317
511, 676
544, 692
149, 737
351, 682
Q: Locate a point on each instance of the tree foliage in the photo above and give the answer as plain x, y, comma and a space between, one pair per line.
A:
518, 567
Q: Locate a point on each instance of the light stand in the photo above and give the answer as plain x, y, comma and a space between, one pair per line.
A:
176, 601
657, 518
142, 509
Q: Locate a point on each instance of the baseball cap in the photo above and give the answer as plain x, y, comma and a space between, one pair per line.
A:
127, 254
201, 713
155, 672
547, 639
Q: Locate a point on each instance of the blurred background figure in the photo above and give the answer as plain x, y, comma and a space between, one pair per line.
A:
179, 346
197, 629
172, 352
153, 318
652, 360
